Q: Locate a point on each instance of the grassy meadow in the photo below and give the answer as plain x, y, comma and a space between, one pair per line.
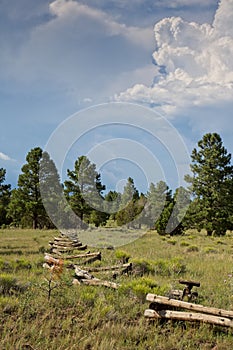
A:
79, 317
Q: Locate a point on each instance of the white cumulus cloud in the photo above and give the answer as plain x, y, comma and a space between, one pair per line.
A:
195, 61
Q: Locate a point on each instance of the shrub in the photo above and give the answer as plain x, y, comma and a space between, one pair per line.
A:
141, 287
122, 255
8, 284
169, 267
184, 244
192, 248
8, 304
22, 264
172, 241
210, 250
142, 266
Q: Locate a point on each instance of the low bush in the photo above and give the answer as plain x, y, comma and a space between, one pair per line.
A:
140, 287
8, 283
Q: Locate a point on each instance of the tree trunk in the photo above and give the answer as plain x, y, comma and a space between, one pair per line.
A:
35, 222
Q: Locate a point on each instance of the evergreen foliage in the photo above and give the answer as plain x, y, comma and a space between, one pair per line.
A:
84, 192
128, 205
5, 193
40, 200
26, 207
211, 185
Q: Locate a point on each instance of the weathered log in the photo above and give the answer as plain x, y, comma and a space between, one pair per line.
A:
85, 277
62, 248
124, 267
85, 255
187, 316
82, 274
97, 282
65, 244
91, 259
81, 247
175, 294
65, 239
51, 260
60, 251
189, 306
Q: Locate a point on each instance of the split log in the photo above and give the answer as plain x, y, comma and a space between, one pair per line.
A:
97, 282
82, 274
91, 260
65, 244
85, 255
61, 239
81, 247
51, 260
59, 251
65, 239
189, 306
124, 267
62, 248
186, 316
86, 278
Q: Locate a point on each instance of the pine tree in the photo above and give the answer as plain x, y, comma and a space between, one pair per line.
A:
5, 192
112, 202
26, 205
156, 200
211, 185
51, 192
128, 208
84, 189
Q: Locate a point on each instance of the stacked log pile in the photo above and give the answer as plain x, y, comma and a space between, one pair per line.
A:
166, 308
64, 249
64, 244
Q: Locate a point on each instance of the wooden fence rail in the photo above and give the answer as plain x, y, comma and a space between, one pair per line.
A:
163, 307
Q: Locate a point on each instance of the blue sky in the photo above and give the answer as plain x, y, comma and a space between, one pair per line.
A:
60, 57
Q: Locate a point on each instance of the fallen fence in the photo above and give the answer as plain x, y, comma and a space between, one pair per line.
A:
165, 308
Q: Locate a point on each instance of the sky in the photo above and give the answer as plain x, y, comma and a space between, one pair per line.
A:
117, 69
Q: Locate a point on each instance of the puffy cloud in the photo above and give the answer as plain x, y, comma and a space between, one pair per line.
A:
195, 62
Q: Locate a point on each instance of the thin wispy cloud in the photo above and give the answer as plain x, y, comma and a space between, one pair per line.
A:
4, 156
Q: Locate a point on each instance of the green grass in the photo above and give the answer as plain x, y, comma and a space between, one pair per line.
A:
91, 318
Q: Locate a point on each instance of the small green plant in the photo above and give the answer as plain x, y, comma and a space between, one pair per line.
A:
169, 267
184, 244
8, 304
192, 248
22, 264
141, 287
8, 283
209, 250
142, 266
172, 241
122, 256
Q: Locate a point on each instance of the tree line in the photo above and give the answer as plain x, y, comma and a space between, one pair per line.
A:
40, 199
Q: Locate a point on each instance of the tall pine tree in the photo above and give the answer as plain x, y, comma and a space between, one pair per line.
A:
84, 189
211, 185
128, 205
26, 205
51, 192
156, 200
5, 192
